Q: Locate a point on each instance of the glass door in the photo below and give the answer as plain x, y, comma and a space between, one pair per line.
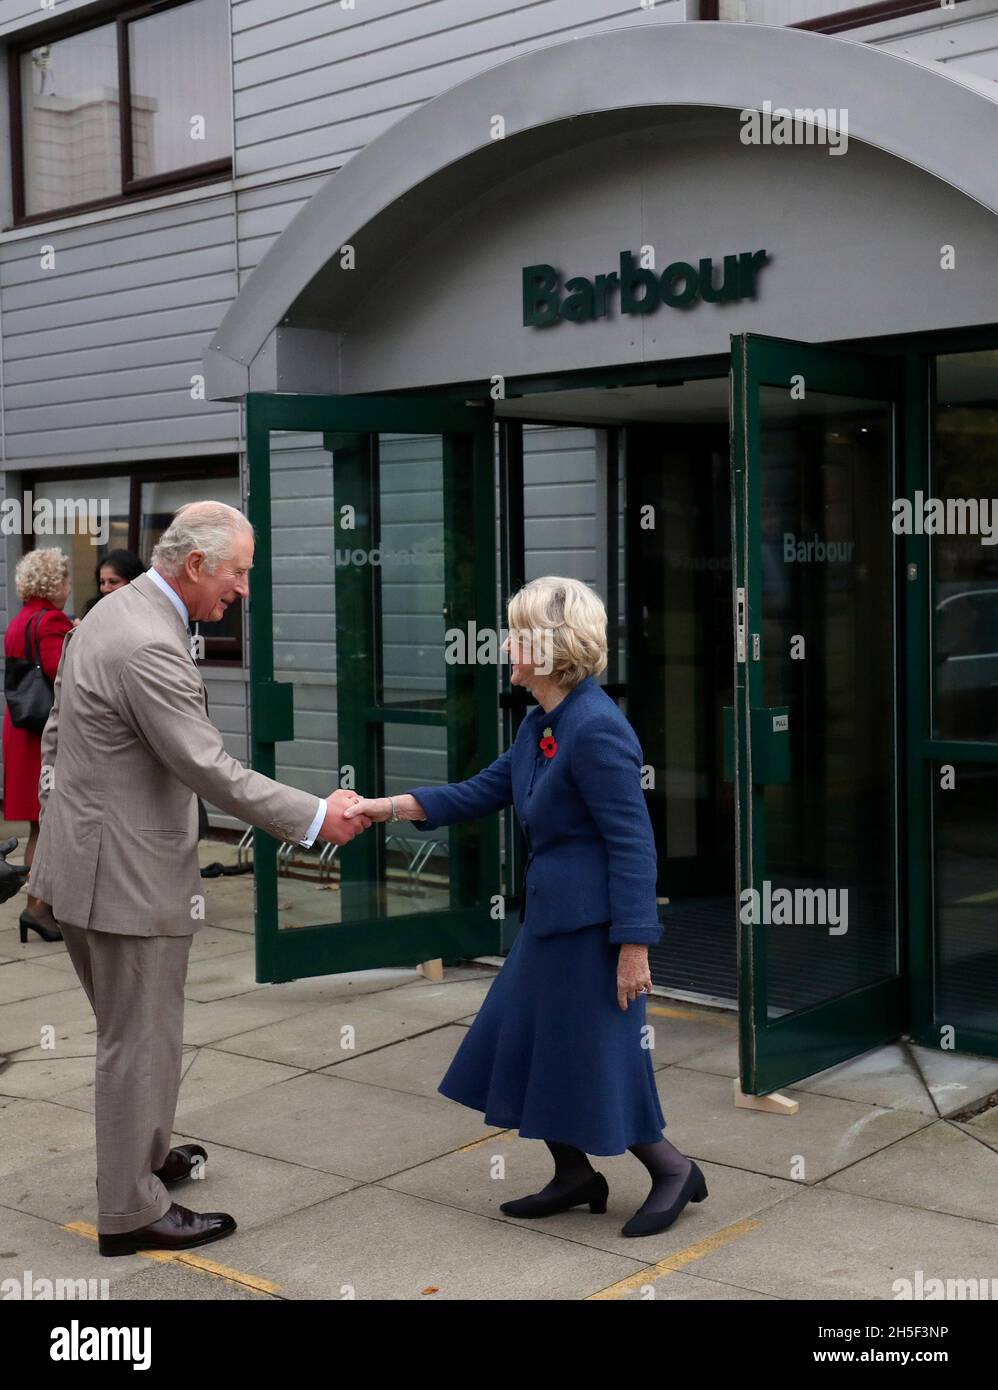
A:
814, 749
374, 578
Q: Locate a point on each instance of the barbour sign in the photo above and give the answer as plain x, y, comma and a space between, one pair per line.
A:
636, 289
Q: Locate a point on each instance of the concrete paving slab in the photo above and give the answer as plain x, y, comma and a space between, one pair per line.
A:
66, 1011
49, 1252
79, 1041
220, 977
228, 1018
57, 960
481, 1176
956, 1079
236, 974
209, 1077
721, 1060
33, 1132
826, 1134
325, 988
983, 1127
48, 1078
176, 1281
444, 1002
680, 1287
939, 1168
338, 1126
26, 980
416, 1065
873, 1077
332, 1032
34, 947
253, 1188
682, 1032
373, 1243
822, 1244
210, 943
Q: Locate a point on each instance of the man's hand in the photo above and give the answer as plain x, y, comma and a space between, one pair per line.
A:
337, 829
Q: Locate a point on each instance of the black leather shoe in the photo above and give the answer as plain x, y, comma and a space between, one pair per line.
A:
27, 923
177, 1229
593, 1190
180, 1163
694, 1189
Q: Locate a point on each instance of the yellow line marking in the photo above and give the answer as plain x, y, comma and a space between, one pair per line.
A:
476, 1143
672, 1263
696, 1014
184, 1257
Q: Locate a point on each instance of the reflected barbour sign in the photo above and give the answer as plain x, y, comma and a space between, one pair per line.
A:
635, 288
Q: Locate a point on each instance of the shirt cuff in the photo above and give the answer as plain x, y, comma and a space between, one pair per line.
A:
316, 826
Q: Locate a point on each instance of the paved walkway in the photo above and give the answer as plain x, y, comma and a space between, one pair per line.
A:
350, 1176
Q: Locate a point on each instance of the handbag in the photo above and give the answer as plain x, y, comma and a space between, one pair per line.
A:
27, 688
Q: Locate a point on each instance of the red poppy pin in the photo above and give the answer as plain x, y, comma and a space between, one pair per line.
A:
547, 745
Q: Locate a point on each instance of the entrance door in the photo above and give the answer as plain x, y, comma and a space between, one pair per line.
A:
375, 522
813, 442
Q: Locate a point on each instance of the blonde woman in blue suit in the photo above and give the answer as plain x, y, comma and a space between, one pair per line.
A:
558, 1049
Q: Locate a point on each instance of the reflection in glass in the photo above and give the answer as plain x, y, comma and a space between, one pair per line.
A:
80, 548
69, 116
965, 570
384, 558
966, 893
410, 570
827, 655
178, 66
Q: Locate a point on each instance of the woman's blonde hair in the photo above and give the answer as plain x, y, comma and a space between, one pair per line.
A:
568, 619
40, 573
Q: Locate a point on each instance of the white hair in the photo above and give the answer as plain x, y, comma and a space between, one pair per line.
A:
211, 527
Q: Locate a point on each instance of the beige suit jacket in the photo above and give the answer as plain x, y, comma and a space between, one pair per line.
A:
126, 747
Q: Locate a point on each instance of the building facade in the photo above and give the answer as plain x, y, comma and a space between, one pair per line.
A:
469, 273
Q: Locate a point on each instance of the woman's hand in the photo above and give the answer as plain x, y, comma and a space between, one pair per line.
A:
374, 807
633, 975
380, 808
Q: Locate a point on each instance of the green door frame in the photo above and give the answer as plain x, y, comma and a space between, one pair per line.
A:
775, 1052
368, 937
923, 751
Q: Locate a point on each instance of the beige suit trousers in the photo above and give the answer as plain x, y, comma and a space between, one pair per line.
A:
136, 987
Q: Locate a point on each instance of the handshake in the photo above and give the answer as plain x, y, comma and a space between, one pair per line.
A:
347, 814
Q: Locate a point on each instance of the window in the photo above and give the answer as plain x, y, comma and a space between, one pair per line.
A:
825, 16
130, 512
964, 461
121, 108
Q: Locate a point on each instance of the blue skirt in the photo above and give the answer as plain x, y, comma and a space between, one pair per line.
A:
552, 1054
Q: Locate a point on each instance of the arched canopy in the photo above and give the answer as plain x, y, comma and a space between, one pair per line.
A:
427, 166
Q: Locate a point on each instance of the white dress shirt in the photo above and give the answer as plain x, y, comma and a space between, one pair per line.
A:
181, 607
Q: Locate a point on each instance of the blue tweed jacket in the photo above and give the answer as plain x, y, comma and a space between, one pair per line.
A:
591, 850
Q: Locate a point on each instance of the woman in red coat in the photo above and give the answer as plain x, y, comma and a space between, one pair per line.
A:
42, 580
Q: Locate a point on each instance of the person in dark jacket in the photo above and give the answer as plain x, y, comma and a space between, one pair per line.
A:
559, 1049
118, 568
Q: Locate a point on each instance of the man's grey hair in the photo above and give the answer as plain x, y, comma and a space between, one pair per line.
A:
211, 527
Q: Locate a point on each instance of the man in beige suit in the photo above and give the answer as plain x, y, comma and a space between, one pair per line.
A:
127, 746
